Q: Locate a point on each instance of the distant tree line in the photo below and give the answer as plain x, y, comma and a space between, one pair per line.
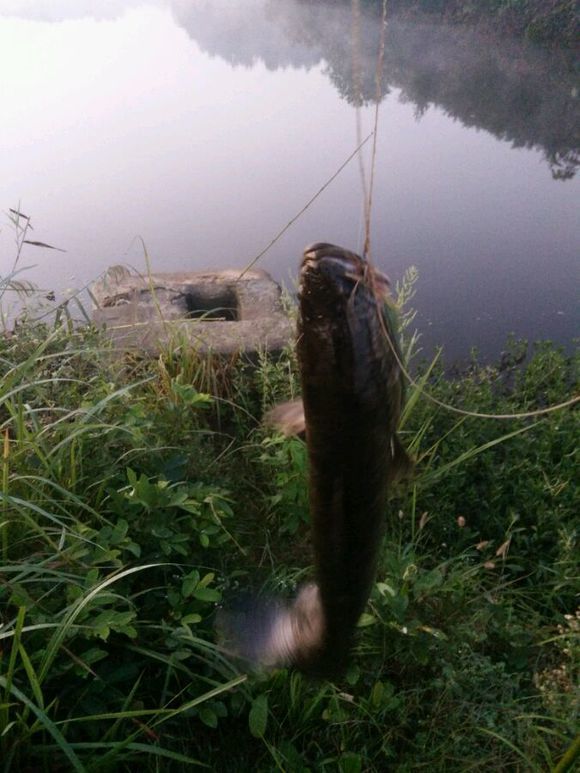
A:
516, 92
521, 93
555, 22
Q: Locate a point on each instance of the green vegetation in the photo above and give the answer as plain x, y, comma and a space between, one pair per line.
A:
138, 495
553, 22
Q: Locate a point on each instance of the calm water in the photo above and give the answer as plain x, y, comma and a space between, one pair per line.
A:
205, 126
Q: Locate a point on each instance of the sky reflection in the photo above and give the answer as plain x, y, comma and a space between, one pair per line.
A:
120, 126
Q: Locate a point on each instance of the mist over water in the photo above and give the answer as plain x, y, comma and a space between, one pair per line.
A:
204, 127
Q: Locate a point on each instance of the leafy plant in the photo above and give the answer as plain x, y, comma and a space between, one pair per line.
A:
136, 495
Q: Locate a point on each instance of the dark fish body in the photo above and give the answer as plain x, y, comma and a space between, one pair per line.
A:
352, 390
352, 394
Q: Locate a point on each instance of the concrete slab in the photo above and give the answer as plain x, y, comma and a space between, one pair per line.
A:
212, 311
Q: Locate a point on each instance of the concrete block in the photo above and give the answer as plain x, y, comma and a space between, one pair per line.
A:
213, 311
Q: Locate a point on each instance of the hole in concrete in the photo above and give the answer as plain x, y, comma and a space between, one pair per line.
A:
222, 305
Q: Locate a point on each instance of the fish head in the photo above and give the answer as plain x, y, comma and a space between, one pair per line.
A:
346, 324
332, 273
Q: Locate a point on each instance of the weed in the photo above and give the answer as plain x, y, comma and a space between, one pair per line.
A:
132, 498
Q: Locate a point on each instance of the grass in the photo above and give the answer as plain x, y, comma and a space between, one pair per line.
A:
135, 497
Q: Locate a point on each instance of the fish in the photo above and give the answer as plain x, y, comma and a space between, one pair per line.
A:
353, 389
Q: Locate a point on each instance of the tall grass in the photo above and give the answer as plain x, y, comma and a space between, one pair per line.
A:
135, 494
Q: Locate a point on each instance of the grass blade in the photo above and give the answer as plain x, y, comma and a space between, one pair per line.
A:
47, 723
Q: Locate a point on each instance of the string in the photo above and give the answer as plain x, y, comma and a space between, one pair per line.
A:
368, 201
452, 408
305, 207
357, 87
378, 96
357, 90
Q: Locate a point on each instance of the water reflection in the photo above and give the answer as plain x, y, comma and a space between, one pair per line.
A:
205, 126
517, 91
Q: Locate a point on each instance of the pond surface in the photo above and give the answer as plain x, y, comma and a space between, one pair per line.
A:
205, 127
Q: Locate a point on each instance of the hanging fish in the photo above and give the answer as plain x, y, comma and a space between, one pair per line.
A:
352, 397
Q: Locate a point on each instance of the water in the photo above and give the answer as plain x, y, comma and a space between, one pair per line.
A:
204, 127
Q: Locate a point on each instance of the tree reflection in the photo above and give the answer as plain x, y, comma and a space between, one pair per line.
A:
521, 93
518, 92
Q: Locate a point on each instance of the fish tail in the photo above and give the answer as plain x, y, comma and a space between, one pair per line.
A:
267, 634
287, 418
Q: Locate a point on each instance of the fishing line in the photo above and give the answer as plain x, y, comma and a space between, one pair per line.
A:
368, 201
378, 95
357, 90
367, 198
452, 408
367, 206
357, 84
305, 207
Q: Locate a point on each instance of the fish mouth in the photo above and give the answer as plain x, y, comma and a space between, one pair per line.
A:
321, 255
343, 267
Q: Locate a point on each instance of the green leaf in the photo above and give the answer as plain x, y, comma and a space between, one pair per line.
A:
208, 717
428, 581
162, 532
350, 763
220, 708
384, 587
189, 584
102, 631
366, 620
48, 725
207, 579
190, 506
191, 619
258, 716
120, 531
207, 594
353, 674
377, 694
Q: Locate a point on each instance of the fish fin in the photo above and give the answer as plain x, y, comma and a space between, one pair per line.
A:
267, 633
245, 630
287, 418
401, 464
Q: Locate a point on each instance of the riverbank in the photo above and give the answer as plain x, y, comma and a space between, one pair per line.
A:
138, 496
